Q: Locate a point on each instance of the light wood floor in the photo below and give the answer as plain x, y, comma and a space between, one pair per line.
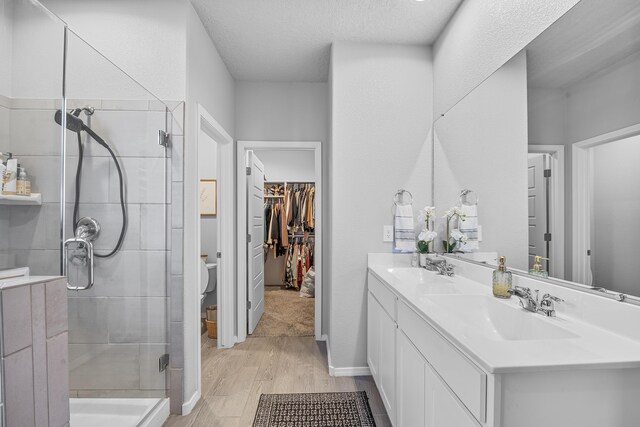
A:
233, 379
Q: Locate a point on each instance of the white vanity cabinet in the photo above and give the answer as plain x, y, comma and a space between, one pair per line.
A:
423, 398
381, 342
402, 350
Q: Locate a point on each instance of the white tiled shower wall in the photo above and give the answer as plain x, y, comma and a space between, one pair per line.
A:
118, 329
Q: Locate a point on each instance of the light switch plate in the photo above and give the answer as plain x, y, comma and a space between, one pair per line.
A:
387, 233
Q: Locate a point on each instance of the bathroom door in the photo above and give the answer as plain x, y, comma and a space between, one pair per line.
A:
538, 208
255, 253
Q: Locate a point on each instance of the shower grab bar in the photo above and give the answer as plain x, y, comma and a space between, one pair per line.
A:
88, 247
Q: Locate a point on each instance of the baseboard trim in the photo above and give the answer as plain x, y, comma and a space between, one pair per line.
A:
352, 371
324, 337
188, 406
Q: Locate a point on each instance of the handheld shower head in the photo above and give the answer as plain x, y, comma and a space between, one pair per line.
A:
74, 124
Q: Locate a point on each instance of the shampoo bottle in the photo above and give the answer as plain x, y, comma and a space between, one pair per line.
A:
537, 268
502, 279
10, 177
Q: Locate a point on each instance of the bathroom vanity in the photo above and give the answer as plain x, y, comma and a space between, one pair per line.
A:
444, 352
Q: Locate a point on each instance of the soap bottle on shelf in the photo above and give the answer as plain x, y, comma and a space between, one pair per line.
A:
537, 269
23, 185
502, 279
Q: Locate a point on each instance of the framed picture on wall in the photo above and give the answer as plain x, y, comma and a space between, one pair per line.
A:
208, 197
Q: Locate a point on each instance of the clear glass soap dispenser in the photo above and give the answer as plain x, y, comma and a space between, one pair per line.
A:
537, 269
502, 279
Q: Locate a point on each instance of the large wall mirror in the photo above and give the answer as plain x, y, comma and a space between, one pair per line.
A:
550, 144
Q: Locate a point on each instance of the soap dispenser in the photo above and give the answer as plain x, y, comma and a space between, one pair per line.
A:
502, 279
537, 267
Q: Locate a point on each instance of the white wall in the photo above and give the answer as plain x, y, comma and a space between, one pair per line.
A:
6, 45
481, 145
605, 102
271, 111
483, 35
276, 111
209, 84
291, 166
381, 105
37, 61
146, 38
616, 210
38, 47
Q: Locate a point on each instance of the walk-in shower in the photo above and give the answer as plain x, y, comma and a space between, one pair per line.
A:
87, 135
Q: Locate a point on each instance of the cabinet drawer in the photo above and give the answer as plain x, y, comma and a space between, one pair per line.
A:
466, 380
385, 297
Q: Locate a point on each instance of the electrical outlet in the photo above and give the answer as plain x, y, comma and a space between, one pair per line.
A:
387, 233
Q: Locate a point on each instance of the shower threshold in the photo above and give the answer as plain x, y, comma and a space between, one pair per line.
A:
134, 412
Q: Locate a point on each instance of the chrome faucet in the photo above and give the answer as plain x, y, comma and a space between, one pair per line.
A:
529, 301
440, 265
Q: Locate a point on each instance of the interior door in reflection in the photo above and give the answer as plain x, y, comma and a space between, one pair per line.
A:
538, 207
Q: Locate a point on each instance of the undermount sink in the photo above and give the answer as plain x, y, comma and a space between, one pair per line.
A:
432, 283
418, 275
485, 316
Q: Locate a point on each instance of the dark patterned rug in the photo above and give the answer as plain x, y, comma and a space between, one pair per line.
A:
348, 409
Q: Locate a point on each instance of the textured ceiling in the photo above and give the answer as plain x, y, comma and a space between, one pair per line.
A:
289, 40
590, 38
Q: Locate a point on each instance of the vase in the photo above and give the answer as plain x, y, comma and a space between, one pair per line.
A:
423, 259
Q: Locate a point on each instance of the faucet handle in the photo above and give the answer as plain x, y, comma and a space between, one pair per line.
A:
547, 297
547, 305
517, 289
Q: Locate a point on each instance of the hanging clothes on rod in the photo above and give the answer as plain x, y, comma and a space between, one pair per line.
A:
300, 259
300, 199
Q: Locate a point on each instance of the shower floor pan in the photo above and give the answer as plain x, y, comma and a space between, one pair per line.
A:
132, 412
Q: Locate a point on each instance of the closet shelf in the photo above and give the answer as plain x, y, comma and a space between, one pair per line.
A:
35, 199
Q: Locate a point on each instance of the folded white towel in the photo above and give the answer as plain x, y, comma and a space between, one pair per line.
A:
470, 228
404, 229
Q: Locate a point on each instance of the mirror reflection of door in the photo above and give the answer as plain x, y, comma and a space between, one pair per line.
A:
538, 207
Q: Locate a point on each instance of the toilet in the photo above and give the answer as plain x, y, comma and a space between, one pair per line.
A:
208, 278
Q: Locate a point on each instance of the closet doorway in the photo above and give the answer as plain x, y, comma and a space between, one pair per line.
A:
279, 239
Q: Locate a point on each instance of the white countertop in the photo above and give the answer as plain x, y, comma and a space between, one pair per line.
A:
26, 280
590, 347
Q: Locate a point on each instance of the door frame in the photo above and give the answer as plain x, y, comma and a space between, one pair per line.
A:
582, 199
557, 208
225, 268
241, 289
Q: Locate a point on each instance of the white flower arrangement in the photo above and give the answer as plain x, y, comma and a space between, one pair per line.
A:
426, 236
426, 214
456, 235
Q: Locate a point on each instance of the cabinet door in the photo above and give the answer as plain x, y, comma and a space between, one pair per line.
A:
387, 366
373, 335
442, 408
410, 397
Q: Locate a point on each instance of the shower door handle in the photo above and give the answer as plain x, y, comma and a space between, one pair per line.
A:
82, 255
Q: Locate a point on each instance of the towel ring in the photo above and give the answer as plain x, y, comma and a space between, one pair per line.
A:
397, 198
464, 197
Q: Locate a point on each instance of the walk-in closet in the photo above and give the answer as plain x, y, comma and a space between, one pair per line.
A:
289, 212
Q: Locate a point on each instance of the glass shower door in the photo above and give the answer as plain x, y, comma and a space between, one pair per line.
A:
115, 196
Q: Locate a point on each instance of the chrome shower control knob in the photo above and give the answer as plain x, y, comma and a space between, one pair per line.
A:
88, 228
